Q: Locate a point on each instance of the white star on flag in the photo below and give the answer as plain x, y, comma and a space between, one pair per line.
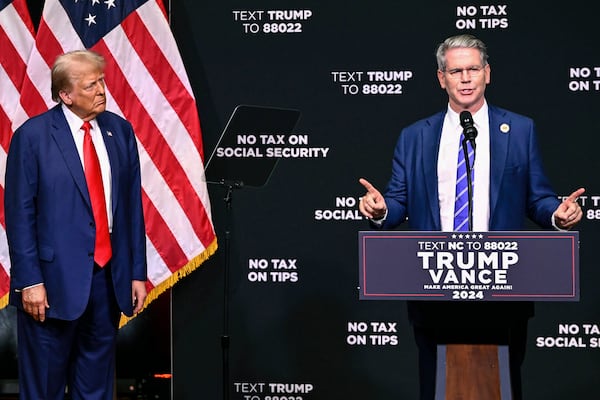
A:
91, 19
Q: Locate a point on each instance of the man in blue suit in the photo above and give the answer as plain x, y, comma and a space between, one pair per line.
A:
509, 186
77, 260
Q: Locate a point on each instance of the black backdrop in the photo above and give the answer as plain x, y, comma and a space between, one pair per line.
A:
297, 332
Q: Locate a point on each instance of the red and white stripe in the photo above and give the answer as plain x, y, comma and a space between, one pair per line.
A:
16, 42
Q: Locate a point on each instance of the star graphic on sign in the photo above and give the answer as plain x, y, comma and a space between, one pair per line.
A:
109, 4
91, 19
95, 2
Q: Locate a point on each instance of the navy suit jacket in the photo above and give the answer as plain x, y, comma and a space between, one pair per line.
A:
519, 190
49, 220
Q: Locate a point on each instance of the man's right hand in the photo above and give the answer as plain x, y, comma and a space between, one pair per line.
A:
372, 205
35, 302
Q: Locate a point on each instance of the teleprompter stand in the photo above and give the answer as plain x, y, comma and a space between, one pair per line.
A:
493, 266
239, 160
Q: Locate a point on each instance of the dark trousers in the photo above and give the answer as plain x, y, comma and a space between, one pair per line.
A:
427, 339
79, 354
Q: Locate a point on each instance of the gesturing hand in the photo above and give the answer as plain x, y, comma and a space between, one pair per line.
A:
372, 205
569, 213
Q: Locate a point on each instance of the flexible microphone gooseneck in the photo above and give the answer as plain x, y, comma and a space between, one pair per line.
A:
470, 133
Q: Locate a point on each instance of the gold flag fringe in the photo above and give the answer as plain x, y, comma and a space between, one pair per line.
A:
174, 278
3, 301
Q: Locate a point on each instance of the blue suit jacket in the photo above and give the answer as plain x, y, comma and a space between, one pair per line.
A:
519, 190
49, 220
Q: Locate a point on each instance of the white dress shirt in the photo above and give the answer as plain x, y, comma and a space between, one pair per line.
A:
447, 162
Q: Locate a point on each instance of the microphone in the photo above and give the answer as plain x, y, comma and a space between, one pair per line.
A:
470, 133
469, 130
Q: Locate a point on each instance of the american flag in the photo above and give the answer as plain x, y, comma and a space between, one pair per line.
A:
16, 41
146, 83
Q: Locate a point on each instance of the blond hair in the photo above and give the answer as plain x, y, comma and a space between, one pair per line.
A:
61, 76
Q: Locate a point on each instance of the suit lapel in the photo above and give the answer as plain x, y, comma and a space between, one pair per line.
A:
498, 152
431, 137
64, 140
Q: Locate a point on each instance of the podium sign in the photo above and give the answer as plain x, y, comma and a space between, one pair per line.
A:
472, 266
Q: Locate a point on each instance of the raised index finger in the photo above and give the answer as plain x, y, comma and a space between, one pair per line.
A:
370, 188
573, 197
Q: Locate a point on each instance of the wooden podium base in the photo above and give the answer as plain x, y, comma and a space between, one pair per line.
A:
473, 372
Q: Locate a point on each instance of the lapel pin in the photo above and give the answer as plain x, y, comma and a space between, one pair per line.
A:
504, 128
109, 133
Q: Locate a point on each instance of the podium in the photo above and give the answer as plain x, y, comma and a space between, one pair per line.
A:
470, 267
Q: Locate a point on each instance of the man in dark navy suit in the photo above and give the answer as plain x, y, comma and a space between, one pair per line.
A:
509, 186
76, 235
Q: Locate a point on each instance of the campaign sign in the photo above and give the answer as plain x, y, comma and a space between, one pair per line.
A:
470, 266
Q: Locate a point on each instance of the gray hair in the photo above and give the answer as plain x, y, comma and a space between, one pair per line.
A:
61, 76
460, 41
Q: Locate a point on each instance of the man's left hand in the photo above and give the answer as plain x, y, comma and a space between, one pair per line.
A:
138, 295
569, 213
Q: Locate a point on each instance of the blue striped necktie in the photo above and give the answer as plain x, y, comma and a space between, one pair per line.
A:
461, 202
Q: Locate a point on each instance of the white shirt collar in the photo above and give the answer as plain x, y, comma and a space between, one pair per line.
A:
74, 121
480, 117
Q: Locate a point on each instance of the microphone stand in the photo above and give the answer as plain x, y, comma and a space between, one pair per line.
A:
469, 178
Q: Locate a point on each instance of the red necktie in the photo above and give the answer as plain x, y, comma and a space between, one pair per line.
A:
93, 176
